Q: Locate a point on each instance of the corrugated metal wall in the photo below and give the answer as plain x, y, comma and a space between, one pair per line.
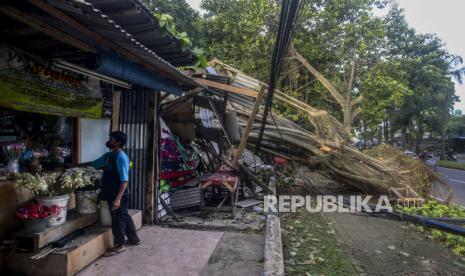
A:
133, 120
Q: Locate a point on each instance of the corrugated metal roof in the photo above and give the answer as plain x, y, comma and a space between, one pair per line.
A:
95, 19
134, 17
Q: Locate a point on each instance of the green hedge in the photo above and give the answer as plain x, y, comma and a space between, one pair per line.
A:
451, 165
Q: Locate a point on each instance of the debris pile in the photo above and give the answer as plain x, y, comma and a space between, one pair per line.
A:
327, 146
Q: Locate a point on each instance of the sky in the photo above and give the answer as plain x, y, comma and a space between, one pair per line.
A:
442, 17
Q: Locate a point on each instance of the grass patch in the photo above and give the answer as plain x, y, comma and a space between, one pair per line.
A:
310, 248
451, 165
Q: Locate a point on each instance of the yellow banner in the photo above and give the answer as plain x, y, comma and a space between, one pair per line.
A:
26, 84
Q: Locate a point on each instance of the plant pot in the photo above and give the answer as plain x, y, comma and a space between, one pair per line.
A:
61, 202
105, 215
32, 226
72, 201
86, 201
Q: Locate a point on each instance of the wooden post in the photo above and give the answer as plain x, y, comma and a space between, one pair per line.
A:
245, 136
152, 151
116, 109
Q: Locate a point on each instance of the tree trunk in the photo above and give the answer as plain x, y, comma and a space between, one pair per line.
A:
443, 140
386, 131
391, 134
365, 135
419, 135
347, 109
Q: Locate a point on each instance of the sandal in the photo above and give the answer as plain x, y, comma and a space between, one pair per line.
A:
114, 251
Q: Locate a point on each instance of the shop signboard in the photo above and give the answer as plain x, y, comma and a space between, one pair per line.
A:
30, 84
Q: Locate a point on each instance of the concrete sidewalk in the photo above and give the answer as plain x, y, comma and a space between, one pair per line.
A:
171, 251
163, 251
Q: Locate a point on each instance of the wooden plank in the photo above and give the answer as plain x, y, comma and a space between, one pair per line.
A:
75, 221
248, 127
76, 140
41, 26
228, 88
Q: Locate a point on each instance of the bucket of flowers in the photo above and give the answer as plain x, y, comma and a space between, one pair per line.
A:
87, 193
52, 189
36, 217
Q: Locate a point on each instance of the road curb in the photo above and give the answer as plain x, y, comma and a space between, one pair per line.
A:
274, 260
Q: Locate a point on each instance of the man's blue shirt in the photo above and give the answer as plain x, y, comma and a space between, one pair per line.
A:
122, 164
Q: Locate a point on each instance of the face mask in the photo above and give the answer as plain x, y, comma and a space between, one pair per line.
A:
109, 145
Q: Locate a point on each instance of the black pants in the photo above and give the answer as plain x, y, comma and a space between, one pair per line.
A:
122, 224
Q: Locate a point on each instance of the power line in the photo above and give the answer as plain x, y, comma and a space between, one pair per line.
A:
287, 20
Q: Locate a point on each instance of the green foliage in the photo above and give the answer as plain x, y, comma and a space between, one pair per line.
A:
177, 15
434, 209
240, 33
456, 126
175, 11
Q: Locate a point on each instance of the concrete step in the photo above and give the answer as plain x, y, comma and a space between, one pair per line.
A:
76, 255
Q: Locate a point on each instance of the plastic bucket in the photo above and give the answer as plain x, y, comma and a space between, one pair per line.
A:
36, 225
86, 201
105, 215
61, 202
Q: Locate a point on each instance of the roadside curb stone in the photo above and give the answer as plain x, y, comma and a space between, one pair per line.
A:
274, 260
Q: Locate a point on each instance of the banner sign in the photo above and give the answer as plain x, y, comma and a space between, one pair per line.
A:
33, 85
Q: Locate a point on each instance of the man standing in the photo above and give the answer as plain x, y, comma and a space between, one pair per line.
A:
114, 190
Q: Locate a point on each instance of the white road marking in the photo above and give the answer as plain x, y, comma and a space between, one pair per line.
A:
460, 181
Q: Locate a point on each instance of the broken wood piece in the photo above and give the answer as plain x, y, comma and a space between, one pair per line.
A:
250, 122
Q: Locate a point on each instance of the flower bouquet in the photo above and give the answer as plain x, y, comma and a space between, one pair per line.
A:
13, 151
36, 217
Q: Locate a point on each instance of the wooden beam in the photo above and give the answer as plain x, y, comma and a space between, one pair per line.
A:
228, 88
248, 127
41, 26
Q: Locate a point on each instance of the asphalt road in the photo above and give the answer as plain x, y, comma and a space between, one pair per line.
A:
456, 180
